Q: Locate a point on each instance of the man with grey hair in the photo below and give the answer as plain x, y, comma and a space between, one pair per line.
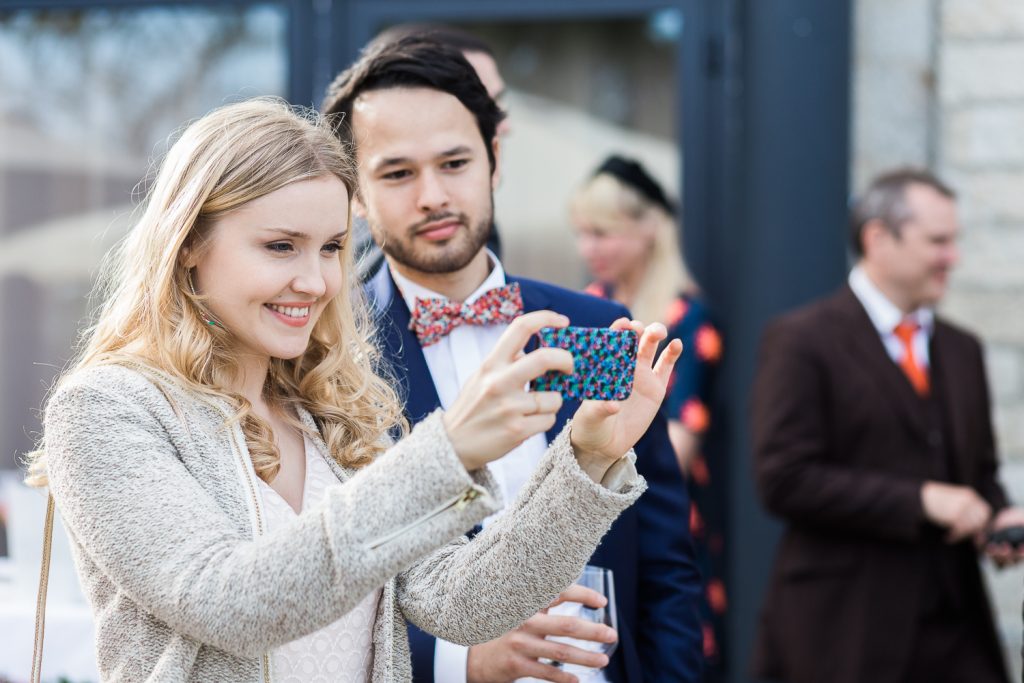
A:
873, 442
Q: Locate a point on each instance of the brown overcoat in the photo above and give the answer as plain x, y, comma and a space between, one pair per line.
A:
841, 449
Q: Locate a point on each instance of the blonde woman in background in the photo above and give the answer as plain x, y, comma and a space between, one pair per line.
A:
221, 451
627, 234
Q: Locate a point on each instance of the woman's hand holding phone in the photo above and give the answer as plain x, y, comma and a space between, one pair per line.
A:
493, 414
603, 431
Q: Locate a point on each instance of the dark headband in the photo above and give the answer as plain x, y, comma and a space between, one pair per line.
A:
633, 174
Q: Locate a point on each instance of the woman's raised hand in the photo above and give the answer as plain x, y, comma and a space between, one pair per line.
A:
603, 431
494, 413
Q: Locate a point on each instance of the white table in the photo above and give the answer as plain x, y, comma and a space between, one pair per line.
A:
67, 646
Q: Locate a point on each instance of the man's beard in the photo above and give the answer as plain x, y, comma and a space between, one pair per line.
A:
448, 258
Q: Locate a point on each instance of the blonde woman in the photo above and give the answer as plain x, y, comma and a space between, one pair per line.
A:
628, 236
221, 451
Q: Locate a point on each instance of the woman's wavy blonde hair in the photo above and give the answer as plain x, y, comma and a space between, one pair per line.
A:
607, 201
150, 315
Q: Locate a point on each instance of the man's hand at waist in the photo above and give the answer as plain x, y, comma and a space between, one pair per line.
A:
517, 654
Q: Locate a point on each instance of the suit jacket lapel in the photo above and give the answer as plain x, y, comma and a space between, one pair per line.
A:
867, 345
944, 372
536, 300
403, 352
533, 298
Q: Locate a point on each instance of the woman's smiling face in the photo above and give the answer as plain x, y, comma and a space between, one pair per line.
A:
268, 268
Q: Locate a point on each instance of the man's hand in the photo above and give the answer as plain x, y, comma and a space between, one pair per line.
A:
1003, 554
957, 508
516, 654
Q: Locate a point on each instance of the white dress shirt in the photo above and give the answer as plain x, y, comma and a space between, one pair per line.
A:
885, 316
452, 361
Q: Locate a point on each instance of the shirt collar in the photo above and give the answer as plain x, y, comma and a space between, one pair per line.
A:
411, 291
884, 314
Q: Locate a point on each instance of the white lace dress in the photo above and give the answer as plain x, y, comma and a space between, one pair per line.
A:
341, 651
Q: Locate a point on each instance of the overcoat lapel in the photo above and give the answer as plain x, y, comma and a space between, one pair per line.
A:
872, 356
945, 372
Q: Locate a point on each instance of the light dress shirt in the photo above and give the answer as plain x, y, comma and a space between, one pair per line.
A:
342, 651
451, 362
885, 316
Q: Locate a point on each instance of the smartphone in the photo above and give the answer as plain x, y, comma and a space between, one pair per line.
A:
604, 363
1014, 536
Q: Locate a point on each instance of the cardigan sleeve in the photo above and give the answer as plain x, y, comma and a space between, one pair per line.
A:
143, 522
472, 592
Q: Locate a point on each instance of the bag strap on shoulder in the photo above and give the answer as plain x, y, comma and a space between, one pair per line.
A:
44, 575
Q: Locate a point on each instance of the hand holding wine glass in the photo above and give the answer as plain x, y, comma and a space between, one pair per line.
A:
528, 652
599, 580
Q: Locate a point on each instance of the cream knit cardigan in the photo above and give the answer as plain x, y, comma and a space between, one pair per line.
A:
158, 494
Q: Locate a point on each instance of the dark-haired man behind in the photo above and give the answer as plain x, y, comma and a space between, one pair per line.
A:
873, 441
480, 55
424, 131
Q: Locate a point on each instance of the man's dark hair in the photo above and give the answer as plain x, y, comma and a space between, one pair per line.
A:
885, 200
412, 62
439, 33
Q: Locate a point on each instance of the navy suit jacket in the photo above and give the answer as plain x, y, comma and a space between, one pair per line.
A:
648, 548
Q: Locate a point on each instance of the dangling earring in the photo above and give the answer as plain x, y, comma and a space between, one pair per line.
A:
207, 317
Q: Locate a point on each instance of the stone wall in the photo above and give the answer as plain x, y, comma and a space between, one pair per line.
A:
940, 83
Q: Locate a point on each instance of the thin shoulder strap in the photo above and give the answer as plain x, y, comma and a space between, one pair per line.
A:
44, 575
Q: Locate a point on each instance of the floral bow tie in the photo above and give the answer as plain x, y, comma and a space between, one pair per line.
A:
433, 319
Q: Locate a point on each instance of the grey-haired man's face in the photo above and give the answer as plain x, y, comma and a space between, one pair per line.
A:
913, 267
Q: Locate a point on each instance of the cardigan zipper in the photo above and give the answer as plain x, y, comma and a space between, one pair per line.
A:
254, 499
249, 475
457, 502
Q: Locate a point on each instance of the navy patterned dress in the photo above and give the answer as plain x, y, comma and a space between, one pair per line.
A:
687, 319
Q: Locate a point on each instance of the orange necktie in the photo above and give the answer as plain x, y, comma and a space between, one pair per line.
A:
915, 372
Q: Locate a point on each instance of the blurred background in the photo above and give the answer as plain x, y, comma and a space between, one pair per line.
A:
762, 116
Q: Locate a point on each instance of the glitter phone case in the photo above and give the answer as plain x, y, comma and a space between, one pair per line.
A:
604, 363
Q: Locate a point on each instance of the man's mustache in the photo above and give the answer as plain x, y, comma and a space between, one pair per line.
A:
435, 218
